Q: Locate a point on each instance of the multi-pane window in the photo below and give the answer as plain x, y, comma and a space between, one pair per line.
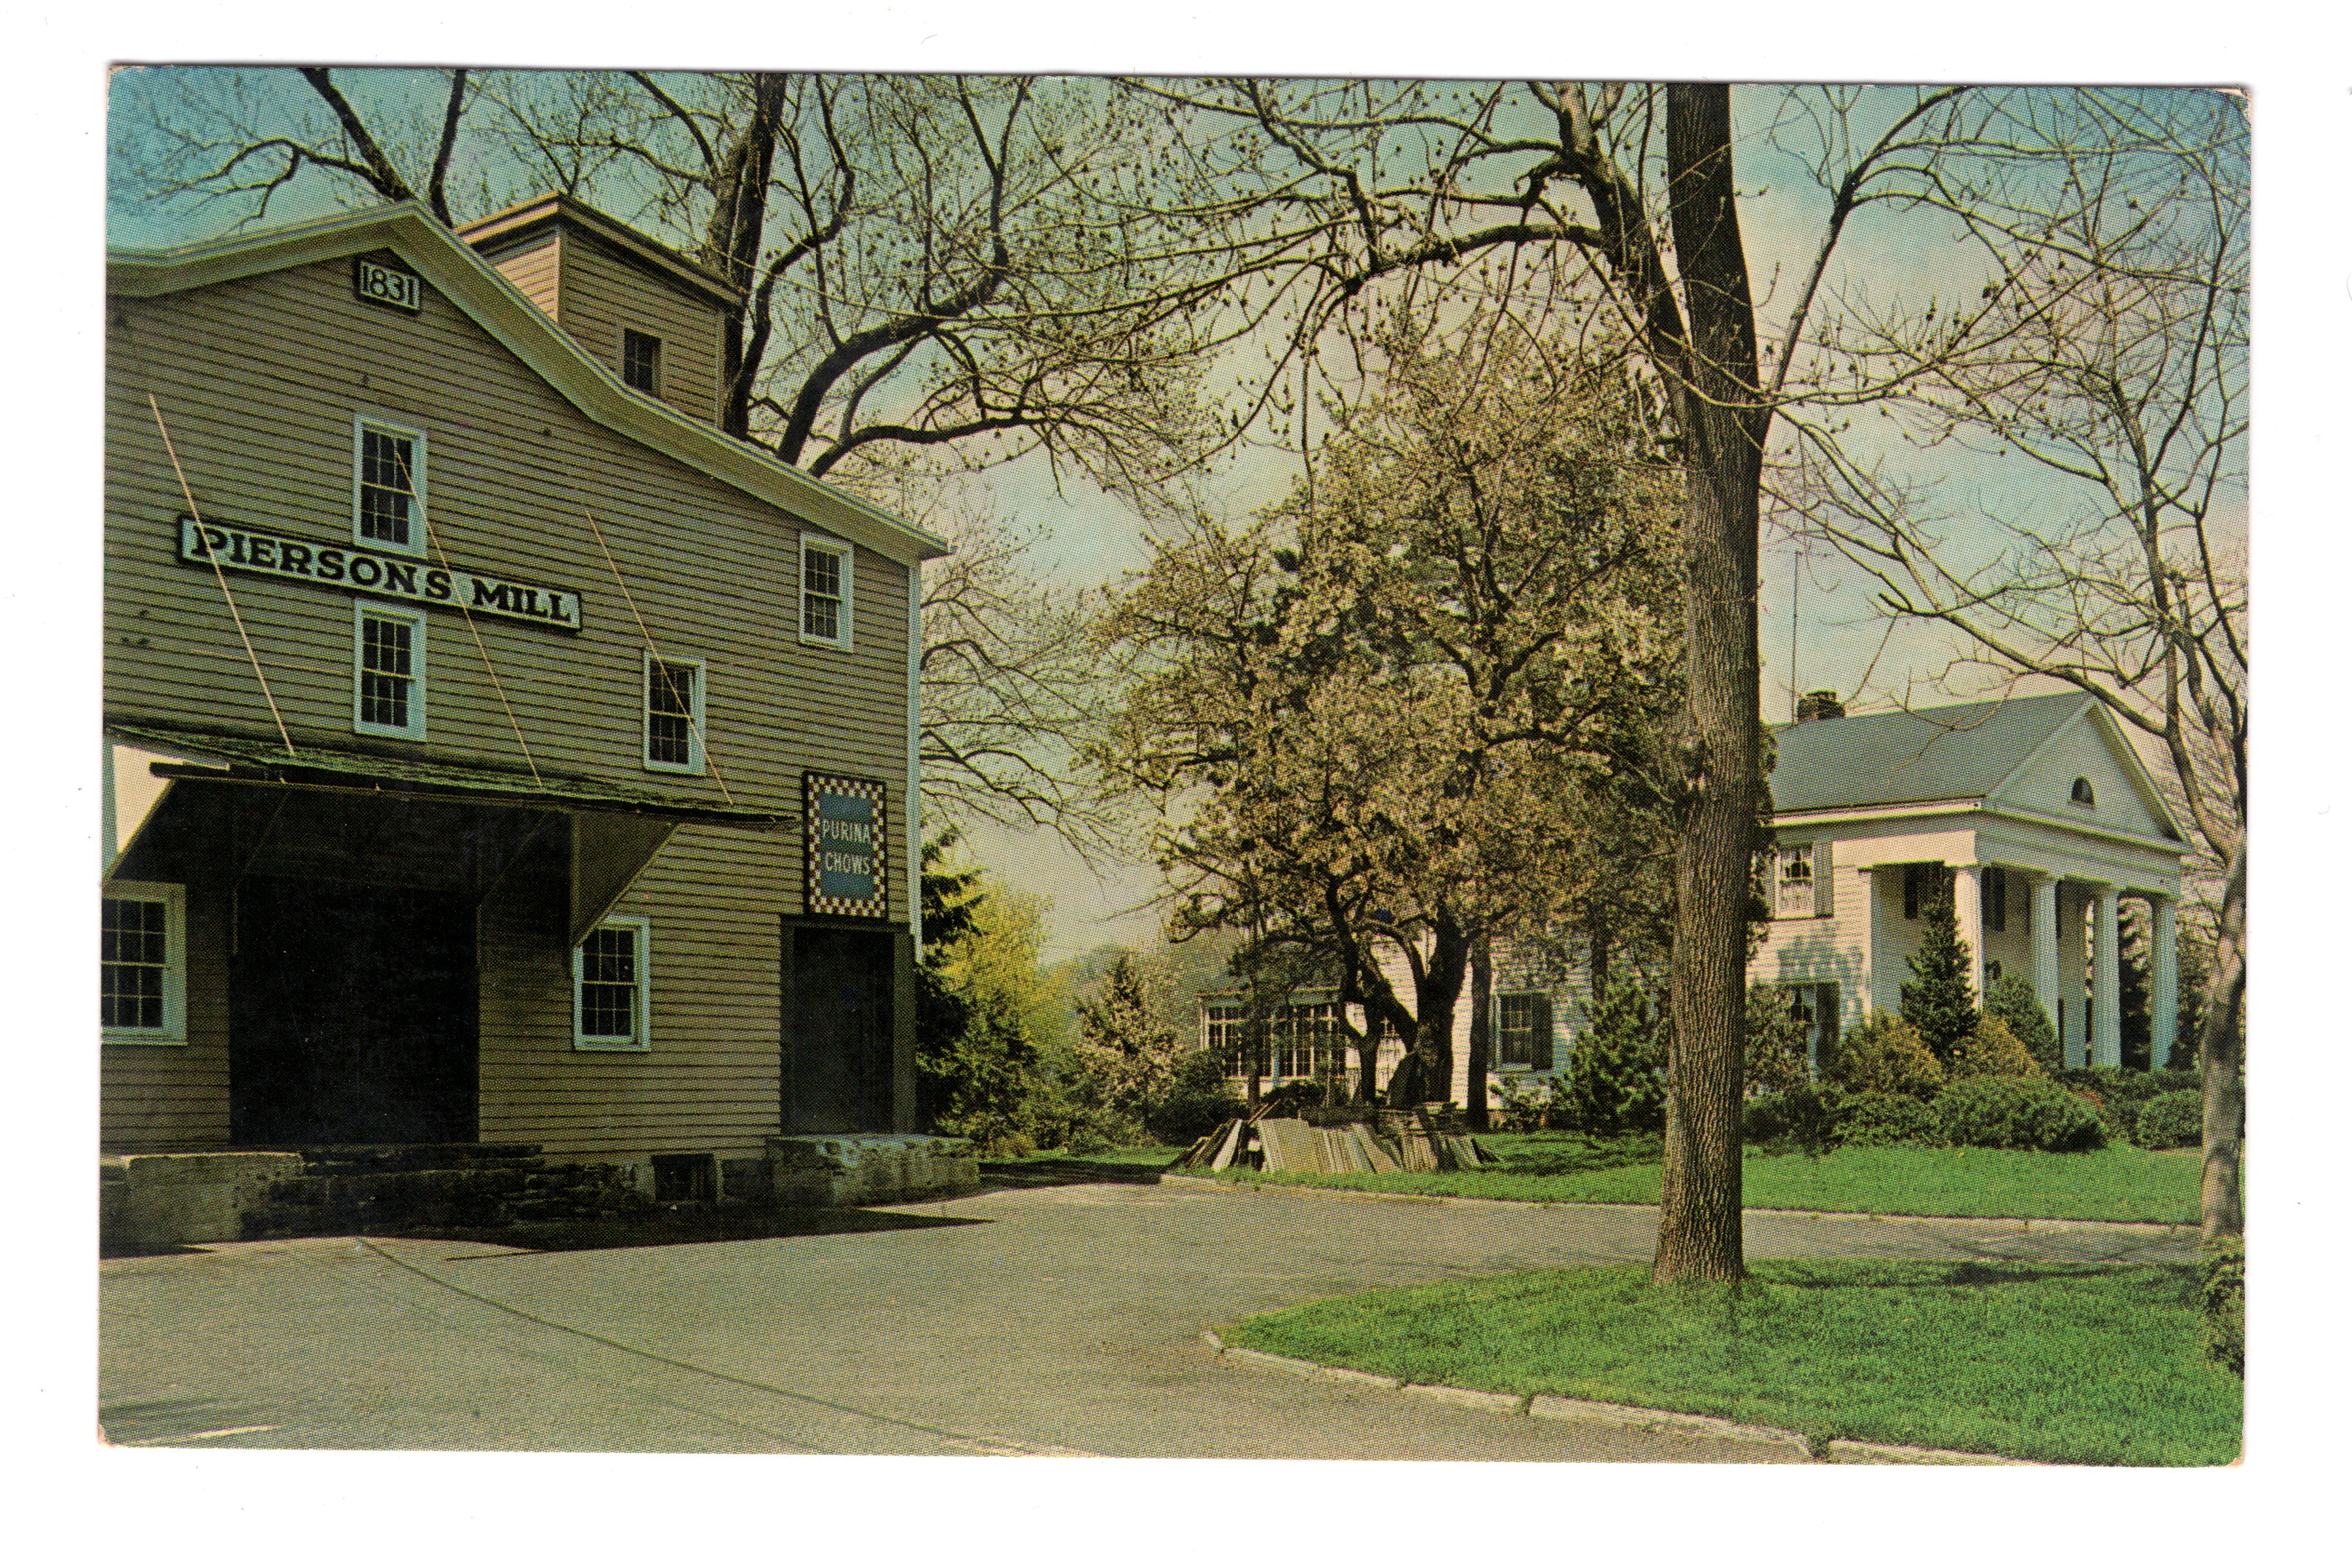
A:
1303, 1040
640, 359
609, 988
1523, 1030
140, 963
824, 591
673, 714
1795, 887
389, 502
388, 689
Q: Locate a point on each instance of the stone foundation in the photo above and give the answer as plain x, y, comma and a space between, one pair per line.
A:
165, 1200
852, 1170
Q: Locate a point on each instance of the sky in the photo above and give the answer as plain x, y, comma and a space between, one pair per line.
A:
83, 1504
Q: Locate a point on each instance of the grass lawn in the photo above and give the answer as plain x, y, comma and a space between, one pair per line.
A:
2115, 1183
2060, 1362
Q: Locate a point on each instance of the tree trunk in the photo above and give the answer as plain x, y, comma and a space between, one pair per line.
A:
1482, 1032
2220, 1051
1723, 425
731, 243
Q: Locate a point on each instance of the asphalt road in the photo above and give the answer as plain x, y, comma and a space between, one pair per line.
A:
1061, 1320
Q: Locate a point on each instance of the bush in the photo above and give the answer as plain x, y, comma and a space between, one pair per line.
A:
1884, 1056
1193, 1112
2173, 1120
1774, 1050
1993, 1051
1871, 1119
1616, 1073
1290, 1099
2119, 1093
1937, 1000
2223, 1282
2017, 1114
2012, 1000
1529, 1104
1803, 1118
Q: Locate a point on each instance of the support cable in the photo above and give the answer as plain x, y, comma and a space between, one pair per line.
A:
433, 542
220, 576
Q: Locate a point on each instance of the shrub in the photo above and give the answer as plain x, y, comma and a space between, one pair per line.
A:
1804, 1117
1993, 1051
1775, 1045
1871, 1119
2223, 1282
2119, 1093
1616, 1073
1884, 1056
1290, 1099
2173, 1120
1529, 1104
2012, 1000
1193, 1112
2017, 1114
1937, 1000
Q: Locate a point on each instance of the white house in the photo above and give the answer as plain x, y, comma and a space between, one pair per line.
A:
2038, 810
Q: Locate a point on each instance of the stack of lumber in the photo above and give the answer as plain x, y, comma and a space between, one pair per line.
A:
1429, 1138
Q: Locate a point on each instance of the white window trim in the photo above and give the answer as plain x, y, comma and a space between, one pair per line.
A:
643, 1040
360, 424
1810, 850
695, 762
362, 611
174, 900
842, 551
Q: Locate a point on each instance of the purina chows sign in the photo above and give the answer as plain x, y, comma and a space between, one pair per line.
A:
377, 574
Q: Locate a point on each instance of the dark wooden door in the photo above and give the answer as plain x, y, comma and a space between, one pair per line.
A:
836, 1031
351, 1015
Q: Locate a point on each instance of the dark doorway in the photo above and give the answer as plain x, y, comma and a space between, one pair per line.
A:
351, 1015
836, 1030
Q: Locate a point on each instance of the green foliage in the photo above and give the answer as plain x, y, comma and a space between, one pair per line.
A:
1128, 1060
2012, 1000
1993, 1051
1803, 1118
1775, 1045
1871, 1119
1883, 1054
2135, 1024
2119, 1093
2017, 1114
2221, 1288
1530, 1104
2173, 1120
1616, 1072
1937, 1000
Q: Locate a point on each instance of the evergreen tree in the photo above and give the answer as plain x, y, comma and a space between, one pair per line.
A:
978, 1067
2136, 1022
1129, 1060
1936, 999
1616, 1073
2012, 1000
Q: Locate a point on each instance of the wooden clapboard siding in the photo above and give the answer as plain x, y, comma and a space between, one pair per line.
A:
533, 267
259, 380
154, 1097
603, 293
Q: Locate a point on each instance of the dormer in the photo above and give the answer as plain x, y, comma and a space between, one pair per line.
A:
655, 319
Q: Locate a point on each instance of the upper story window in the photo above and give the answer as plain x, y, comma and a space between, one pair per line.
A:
1924, 883
2084, 794
641, 360
141, 962
1794, 884
1523, 1030
825, 599
674, 715
610, 1007
388, 485
387, 671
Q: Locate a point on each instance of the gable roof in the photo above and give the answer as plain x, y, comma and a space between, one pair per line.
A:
469, 282
1964, 752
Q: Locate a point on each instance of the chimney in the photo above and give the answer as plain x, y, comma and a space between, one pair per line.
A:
1819, 705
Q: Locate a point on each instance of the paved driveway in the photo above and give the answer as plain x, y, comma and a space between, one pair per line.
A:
1049, 1320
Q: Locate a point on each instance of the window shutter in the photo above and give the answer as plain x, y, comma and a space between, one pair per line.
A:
1824, 883
1540, 1025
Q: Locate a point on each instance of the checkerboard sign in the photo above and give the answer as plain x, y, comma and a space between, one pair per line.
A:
848, 848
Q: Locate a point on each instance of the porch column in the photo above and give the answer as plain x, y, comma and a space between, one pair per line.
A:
2044, 932
2107, 981
2163, 979
1866, 996
1967, 911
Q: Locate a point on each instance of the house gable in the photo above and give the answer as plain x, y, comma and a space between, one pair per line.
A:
2088, 747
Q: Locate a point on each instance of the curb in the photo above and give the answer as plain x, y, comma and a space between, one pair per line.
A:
2125, 1227
1634, 1417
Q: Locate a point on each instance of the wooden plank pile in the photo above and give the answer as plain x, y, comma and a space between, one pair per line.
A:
1426, 1137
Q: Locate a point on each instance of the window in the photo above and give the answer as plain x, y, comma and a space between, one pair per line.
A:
2082, 794
1923, 883
141, 962
388, 671
1523, 1031
674, 715
1798, 889
641, 361
1303, 1040
1996, 899
388, 490
824, 591
608, 988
